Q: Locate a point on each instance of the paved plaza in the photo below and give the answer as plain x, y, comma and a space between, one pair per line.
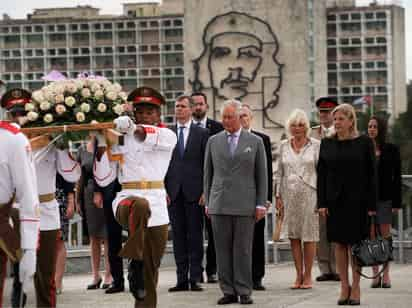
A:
278, 279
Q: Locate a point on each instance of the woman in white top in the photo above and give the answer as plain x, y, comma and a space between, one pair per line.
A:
296, 193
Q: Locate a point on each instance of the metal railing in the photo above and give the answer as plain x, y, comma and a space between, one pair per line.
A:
401, 229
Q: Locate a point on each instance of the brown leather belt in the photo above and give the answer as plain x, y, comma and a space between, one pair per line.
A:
46, 197
143, 185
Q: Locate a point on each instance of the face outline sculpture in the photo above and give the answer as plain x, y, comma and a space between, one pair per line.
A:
239, 58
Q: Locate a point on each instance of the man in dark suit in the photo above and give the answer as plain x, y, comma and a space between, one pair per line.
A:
235, 188
199, 111
258, 256
184, 187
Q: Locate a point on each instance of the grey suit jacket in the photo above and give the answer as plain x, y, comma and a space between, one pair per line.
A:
235, 185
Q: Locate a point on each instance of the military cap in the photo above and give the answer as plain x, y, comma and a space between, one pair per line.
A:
146, 95
326, 103
15, 99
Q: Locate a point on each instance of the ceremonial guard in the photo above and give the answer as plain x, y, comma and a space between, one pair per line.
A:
17, 183
325, 250
48, 161
140, 207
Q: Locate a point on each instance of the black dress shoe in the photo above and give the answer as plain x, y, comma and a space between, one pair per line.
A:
105, 286
342, 302
353, 302
194, 286
323, 277
179, 287
227, 299
246, 300
212, 278
94, 286
334, 277
114, 289
136, 279
258, 286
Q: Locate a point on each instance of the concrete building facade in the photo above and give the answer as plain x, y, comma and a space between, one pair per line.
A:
366, 54
144, 46
269, 54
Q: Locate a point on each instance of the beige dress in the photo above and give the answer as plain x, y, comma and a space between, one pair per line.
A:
296, 182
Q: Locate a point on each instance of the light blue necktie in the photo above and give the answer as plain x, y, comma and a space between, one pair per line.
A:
181, 141
232, 143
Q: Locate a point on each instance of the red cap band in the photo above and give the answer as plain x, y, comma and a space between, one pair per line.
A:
327, 105
147, 99
13, 102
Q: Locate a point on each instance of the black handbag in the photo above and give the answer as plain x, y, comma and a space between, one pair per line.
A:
373, 252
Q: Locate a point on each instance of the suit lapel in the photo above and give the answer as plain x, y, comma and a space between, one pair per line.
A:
190, 138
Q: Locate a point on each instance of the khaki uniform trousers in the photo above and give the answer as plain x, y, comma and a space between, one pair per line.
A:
44, 282
9, 241
147, 244
325, 250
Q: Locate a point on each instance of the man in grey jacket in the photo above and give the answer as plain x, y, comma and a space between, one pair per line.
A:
235, 187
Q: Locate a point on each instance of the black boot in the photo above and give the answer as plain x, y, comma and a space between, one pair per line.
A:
16, 291
136, 279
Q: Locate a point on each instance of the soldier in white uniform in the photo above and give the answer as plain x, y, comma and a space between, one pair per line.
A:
17, 181
325, 251
47, 162
140, 207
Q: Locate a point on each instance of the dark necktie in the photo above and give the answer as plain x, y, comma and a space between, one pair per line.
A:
181, 141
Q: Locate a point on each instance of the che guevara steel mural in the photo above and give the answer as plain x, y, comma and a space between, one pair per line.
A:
238, 60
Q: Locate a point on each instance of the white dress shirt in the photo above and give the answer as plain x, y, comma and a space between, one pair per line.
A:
186, 131
202, 122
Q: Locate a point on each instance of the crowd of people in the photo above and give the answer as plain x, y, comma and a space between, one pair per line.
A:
335, 186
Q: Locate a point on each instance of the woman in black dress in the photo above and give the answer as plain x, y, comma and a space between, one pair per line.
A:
388, 162
346, 194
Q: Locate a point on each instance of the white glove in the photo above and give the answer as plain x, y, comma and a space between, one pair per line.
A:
125, 125
27, 268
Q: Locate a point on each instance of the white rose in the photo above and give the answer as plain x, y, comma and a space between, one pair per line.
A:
45, 105
85, 107
101, 107
95, 87
86, 92
70, 101
59, 98
47, 94
29, 107
60, 109
80, 117
71, 87
59, 89
38, 96
123, 95
118, 109
48, 118
117, 87
111, 95
32, 116
79, 83
98, 94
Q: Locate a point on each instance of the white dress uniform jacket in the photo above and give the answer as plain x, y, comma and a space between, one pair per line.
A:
143, 161
46, 167
17, 175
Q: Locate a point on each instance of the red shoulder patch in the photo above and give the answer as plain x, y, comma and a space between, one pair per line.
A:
149, 130
8, 126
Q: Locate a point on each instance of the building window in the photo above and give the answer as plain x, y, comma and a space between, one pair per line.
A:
370, 64
382, 64
381, 15
331, 17
381, 40
356, 65
344, 17
355, 16
369, 15
369, 40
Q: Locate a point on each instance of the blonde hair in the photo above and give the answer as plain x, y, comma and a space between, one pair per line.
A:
348, 111
297, 116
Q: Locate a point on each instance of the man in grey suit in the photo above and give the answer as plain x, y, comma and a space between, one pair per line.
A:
235, 187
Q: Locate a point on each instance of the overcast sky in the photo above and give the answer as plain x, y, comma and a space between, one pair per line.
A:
20, 8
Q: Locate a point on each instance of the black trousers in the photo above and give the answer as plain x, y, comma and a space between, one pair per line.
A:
114, 233
211, 267
187, 229
258, 251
